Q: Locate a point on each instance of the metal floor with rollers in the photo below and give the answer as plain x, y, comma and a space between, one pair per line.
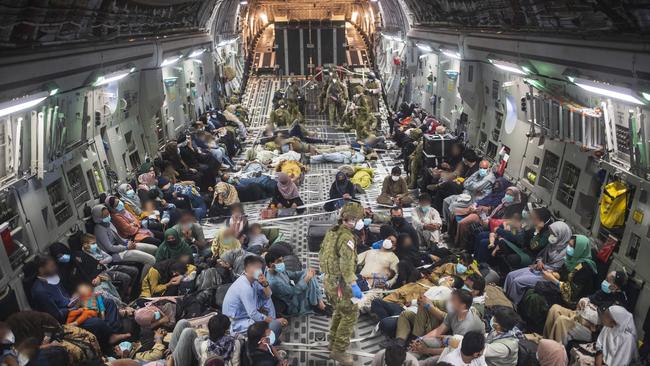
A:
305, 339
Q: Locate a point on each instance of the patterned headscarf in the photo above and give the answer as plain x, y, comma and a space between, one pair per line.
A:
287, 187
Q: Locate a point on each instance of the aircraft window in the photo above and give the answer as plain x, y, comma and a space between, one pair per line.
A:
60, 206
78, 185
568, 184
549, 170
633, 248
491, 150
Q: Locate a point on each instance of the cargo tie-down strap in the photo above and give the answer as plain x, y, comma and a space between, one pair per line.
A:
321, 347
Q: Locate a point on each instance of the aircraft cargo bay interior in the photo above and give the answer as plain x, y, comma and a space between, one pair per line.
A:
320, 183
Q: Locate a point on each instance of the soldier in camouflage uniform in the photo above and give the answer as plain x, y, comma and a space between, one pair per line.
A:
291, 95
338, 260
373, 89
281, 116
335, 102
415, 159
322, 97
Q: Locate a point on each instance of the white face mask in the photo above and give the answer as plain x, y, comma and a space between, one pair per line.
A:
395, 178
359, 225
9, 338
53, 280
552, 239
387, 244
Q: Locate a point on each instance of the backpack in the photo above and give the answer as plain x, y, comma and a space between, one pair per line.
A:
527, 354
194, 305
613, 204
220, 294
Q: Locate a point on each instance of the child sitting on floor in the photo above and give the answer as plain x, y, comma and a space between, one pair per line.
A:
85, 304
257, 241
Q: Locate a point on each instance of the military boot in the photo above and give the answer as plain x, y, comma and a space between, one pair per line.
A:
343, 358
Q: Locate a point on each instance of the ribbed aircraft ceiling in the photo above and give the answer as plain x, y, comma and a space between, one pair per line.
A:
33, 22
608, 16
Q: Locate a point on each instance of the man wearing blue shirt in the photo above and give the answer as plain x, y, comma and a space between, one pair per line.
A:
248, 300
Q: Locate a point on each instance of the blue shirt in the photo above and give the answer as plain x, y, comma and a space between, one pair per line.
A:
51, 299
242, 302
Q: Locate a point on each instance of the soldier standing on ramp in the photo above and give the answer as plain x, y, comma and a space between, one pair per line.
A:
338, 260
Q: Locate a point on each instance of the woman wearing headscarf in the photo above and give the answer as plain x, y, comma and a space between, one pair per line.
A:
225, 195
121, 249
224, 241
617, 342
173, 247
164, 277
511, 255
573, 281
551, 353
342, 190
550, 258
286, 193
130, 198
127, 225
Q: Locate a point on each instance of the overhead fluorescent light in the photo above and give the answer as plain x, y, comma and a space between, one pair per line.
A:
197, 53
107, 79
612, 91
54, 91
646, 96
450, 53
170, 61
244, 2
424, 47
510, 67
354, 16
23, 103
264, 18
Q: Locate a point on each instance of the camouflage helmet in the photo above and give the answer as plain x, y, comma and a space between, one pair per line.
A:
415, 133
352, 211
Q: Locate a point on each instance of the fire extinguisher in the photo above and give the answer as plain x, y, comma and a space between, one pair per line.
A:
397, 60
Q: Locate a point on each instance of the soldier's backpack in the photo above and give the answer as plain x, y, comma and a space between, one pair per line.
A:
613, 204
316, 234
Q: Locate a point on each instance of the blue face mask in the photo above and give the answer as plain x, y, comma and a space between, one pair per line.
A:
130, 193
257, 273
569, 251
461, 268
482, 172
280, 267
64, 258
156, 315
508, 198
120, 206
93, 247
272, 338
605, 287
125, 346
367, 221
425, 209
285, 148
106, 219
492, 323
